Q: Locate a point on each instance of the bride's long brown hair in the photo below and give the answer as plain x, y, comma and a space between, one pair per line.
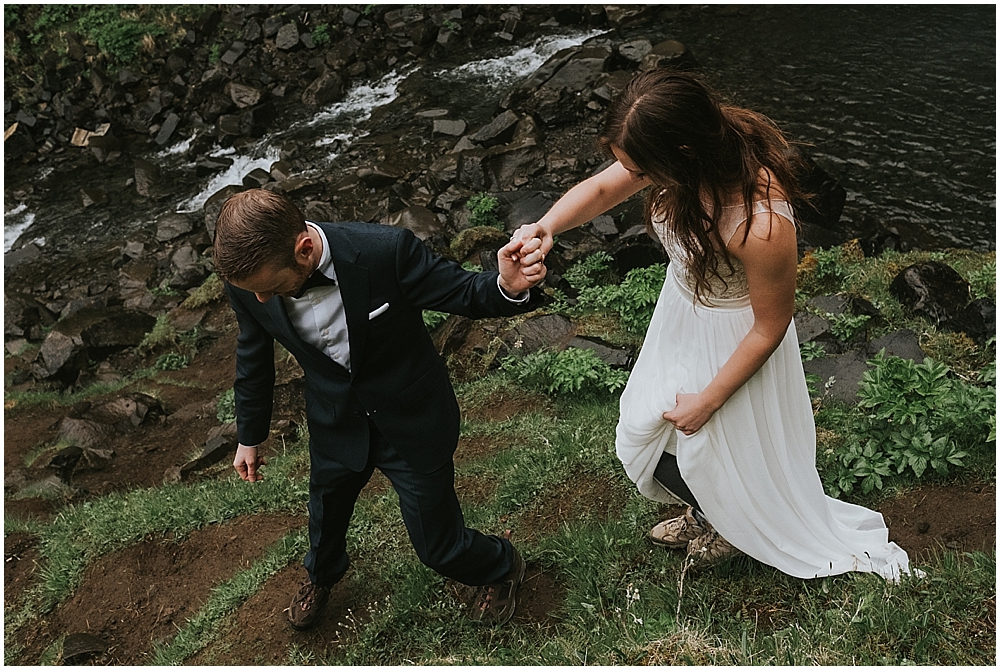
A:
691, 145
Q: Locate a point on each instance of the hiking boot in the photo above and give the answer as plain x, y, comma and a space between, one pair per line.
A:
494, 603
678, 532
709, 550
307, 605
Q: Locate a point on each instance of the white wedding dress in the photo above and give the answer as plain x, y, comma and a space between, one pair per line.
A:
752, 466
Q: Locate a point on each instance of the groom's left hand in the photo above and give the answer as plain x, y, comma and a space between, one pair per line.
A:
516, 278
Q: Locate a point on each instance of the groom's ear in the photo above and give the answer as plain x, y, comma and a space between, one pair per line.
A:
303, 247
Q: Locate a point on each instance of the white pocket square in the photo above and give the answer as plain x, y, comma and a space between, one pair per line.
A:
380, 310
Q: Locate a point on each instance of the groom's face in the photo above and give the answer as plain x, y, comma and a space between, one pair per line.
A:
270, 281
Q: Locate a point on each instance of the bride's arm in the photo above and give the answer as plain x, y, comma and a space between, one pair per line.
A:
770, 258
582, 203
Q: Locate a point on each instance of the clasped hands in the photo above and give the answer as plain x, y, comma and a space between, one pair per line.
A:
531, 242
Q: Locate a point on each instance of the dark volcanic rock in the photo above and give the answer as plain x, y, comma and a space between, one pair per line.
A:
324, 90
147, 177
421, 221
171, 226
549, 331
106, 331
933, 289
288, 37
669, 54
498, 131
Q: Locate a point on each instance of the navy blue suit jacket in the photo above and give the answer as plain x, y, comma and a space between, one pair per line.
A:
397, 377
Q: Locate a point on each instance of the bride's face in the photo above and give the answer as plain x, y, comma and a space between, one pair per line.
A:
627, 163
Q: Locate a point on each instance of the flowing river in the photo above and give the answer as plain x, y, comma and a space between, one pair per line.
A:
896, 102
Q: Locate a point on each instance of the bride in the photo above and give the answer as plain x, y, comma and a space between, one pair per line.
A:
716, 411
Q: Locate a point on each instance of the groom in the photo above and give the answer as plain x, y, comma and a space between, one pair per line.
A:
346, 299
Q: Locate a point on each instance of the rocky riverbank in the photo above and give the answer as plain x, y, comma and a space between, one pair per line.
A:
86, 307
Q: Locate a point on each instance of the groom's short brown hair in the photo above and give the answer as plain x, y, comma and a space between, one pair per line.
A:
256, 229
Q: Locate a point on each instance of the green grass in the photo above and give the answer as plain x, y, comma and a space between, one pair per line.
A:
549, 473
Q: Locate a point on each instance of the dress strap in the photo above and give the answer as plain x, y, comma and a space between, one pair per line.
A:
779, 207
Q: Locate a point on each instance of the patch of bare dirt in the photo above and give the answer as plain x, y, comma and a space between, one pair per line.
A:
474, 489
144, 593
260, 633
957, 518
504, 405
586, 498
20, 566
538, 599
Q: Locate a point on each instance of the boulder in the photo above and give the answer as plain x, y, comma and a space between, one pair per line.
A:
324, 90
287, 37
255, 121
421, 221
847, 370
820, 217
17, 141
242, 95
172, 226
378, 176
78, 648
548, 331
167, 129
233, 53
629, 55
147, 177
63, 357
932, 289
256, 178
672, 54
449, 127
615, 357
471, 241
812, 328
105, 331
498, 131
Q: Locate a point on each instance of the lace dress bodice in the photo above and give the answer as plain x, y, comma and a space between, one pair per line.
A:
730, 285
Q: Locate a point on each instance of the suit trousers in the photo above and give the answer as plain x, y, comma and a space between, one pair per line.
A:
430, 510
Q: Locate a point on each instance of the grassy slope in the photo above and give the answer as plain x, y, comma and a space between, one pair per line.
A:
625, 601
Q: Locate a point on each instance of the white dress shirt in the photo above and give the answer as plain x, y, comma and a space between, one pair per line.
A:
318, 316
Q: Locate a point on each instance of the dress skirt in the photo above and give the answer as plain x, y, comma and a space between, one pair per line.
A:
752, 466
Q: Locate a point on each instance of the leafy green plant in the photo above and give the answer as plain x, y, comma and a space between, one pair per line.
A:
566, 372
587, 272
634, 299
983, 281
482, 211
911, 419
828, 263
214, 54
225, 407
844, 326
472, 267
171, 361
450, 25
434, 319
165, 291
116, 30
321, 35
810, 351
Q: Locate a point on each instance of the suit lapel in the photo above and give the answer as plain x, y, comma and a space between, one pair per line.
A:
353, 280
